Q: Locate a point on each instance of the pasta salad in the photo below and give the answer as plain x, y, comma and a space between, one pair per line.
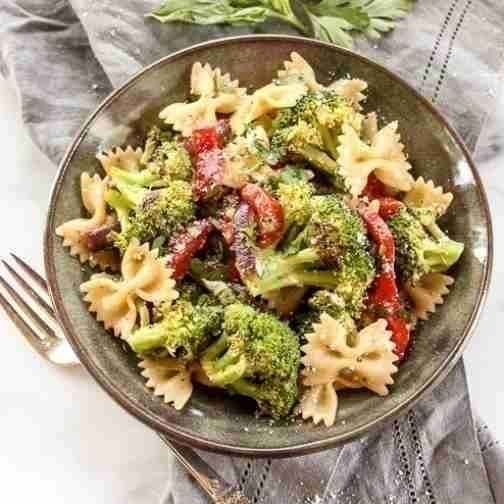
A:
273, 244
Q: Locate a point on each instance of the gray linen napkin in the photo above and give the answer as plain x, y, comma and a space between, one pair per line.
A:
62, 56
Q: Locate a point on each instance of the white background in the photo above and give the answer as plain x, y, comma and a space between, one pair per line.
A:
62, 439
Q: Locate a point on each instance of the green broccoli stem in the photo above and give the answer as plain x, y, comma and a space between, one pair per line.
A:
221, 364
143, 178
330, 143
227, 360
446, 254
319, 159
133, 194
147, 338
289, 263
245, 388
434, 229
216, 349
316, 278
121, 206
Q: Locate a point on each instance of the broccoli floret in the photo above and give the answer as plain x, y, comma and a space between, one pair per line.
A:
311, 128
191, 291
422, 247
172, 161
331, 252
186, 327
150, 213
256, 356
166, 157
155, 137
295, 199
324, 301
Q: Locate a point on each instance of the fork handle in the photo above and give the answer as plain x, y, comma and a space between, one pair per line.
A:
218, 489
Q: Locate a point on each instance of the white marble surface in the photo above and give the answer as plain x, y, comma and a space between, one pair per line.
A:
62, 439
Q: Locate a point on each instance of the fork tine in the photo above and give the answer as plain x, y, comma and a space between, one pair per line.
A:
32, 337
49, 333
29, 289
33, 274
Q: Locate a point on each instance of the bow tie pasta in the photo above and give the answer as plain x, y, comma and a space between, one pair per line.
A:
428, 293
384, 157
127, 159
216, 93
351, 90
144, 276
329, 358
426, 195
320, 403
169, 378
298, 69
76, 232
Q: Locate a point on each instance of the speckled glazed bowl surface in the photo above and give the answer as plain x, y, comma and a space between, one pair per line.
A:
224, 424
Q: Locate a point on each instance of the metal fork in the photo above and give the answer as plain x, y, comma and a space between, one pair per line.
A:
30, 309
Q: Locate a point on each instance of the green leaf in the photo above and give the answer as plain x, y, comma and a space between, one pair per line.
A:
207, 12
280, 6
383, 14
333, 29
356, 16
330, 20
388, 9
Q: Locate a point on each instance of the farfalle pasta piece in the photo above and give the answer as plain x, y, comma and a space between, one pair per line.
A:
370, 126
128, 159
387, 145
298, 68
329, 358
428, 293
320, 403
93, 198
216, 92
266, 100
384, 157
424, 194
351, 90
145, 276
169, 378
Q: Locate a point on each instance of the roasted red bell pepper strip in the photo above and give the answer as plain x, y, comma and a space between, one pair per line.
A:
389, 207
400, 334
208, 162
269, 213
185, 244
384, 294
203, 139
375, 189
380, 233
209, 169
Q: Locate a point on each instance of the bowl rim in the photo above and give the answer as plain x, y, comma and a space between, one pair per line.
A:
193, 439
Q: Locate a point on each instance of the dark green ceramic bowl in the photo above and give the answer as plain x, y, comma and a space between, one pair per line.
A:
224, 424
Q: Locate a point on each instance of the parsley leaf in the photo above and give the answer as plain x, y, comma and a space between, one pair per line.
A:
334, 21
206, 12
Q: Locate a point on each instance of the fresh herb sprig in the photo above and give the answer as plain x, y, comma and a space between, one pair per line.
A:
336, 21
